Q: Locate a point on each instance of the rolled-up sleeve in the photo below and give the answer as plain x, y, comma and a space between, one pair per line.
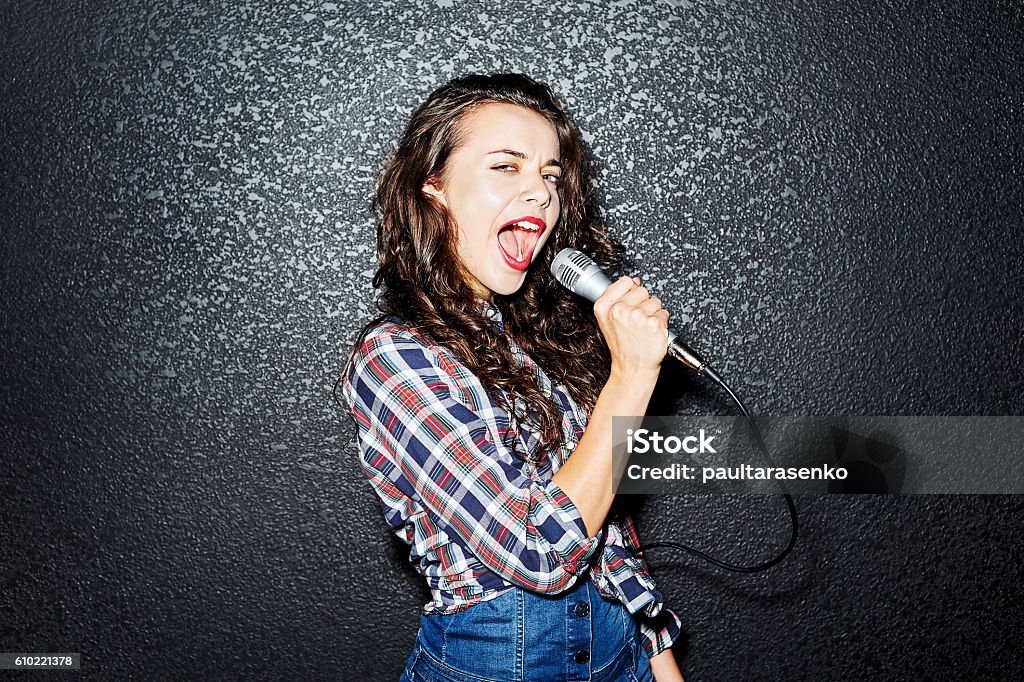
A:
660, 631
418, 428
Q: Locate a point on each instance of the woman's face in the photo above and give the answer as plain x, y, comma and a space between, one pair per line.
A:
501, 189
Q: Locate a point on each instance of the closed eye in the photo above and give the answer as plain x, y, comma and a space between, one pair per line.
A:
553, 178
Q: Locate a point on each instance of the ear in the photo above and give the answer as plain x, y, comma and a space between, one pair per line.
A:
431, 189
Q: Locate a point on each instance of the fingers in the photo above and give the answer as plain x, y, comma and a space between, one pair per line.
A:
647, 312
631, 293
635, 296
634, 325
628, 292
620, 287
615, 291
651, 305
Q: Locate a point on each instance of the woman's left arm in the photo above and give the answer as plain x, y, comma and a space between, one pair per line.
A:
664, 667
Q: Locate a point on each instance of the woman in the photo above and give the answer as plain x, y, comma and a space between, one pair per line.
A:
484, 396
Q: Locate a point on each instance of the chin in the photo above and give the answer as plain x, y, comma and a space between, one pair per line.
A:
507, 287
507, 291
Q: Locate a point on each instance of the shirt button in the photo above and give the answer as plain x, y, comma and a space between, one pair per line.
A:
582, 609
582, 656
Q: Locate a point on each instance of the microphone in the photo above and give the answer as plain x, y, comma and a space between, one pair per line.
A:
579, 274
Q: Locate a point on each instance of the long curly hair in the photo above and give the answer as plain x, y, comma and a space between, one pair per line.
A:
425, 284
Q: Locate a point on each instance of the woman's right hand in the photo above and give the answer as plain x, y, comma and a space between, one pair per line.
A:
635, 327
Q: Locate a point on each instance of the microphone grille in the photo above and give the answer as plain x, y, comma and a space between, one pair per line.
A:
569, 265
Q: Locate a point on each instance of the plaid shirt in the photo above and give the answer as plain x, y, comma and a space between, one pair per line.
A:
477, 518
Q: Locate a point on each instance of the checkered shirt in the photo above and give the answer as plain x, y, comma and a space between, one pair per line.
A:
478, 519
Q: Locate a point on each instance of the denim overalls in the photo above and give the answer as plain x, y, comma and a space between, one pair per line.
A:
522, 636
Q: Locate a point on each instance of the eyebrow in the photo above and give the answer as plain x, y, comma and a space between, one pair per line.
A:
520, 155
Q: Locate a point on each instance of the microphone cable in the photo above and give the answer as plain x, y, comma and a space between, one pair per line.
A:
714, 376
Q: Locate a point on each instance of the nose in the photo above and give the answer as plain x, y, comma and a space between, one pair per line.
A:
536, 190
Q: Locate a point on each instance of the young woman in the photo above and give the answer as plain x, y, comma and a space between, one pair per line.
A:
483, 397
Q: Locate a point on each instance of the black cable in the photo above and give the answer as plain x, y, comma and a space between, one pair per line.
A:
713, 375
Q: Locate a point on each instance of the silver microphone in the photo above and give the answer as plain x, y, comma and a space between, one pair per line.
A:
579, 274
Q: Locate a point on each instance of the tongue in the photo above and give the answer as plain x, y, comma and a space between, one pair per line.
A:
517, 243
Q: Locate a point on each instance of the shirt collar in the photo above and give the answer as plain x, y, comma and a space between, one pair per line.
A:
490, 311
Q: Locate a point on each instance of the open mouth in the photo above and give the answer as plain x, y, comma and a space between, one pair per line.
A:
517, 240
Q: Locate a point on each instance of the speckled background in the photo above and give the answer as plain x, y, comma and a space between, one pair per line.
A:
827, 195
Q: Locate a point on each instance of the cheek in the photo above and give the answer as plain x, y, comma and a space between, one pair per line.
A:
548, 233
555, 210
472, 237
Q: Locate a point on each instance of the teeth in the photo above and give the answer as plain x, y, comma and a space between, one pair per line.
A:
527, 226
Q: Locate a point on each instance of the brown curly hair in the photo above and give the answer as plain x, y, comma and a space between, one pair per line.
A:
425, 284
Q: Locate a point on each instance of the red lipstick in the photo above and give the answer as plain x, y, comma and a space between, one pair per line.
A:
517, 239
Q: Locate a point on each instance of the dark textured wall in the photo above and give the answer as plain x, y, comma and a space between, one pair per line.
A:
826, 194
